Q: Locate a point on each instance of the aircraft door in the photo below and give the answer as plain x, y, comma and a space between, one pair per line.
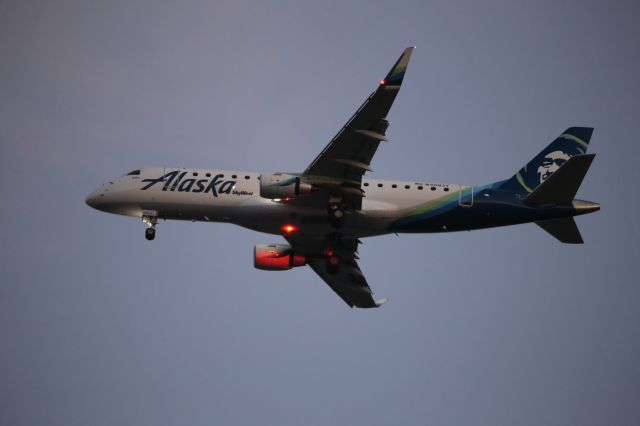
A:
465, 196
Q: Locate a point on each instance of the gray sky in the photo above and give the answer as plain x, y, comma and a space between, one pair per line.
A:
497, 327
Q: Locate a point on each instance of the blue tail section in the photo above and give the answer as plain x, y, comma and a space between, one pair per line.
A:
575, 140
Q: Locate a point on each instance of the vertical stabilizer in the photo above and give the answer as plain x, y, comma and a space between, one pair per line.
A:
574, 141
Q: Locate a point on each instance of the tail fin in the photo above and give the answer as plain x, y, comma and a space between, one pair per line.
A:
574, 141
563, 229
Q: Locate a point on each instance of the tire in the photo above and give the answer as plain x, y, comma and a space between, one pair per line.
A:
150, 234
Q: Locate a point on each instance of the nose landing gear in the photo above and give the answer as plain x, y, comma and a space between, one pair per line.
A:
150, 233
151, 219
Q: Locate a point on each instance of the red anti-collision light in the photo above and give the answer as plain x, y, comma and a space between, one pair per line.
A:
382, 82
288, 228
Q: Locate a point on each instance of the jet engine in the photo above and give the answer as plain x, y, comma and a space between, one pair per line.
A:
282, 185
276, 257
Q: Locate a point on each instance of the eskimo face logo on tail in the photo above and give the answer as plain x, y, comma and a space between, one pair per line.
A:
173, 181
551, 162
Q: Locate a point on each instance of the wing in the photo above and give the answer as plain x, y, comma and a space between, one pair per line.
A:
347, 279
348, 156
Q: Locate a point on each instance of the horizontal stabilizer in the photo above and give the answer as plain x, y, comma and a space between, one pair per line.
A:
563, 229
561, 186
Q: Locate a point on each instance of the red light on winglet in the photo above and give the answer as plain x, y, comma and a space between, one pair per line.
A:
288, 228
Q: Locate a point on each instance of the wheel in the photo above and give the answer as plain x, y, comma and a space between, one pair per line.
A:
336, 215
150, 233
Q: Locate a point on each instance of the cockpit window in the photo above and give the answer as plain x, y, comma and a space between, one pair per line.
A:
133, 173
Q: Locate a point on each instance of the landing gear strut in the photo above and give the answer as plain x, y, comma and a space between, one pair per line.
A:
151, 219
336, 214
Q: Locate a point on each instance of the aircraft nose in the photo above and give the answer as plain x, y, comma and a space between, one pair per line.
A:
92, 199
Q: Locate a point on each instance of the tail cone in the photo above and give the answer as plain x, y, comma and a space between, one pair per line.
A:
584, 207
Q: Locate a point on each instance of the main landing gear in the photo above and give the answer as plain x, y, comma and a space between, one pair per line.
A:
151, 219
336, 213
333, 264
332, 260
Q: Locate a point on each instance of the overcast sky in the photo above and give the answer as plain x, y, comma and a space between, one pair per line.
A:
497, 327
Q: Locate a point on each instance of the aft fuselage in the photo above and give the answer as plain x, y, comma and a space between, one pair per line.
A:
388, 205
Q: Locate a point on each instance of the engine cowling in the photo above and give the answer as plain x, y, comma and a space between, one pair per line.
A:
276, 257
282, 185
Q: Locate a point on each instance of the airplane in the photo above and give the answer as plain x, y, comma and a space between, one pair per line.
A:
325, 211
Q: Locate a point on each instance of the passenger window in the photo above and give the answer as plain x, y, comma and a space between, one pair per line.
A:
246, 177
208, 175
195, 173
446, 190
407, 187
234, 176
394, 186
419, 188
433, 188
366, 184
379, 185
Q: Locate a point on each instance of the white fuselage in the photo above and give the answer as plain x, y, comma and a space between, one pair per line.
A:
233, 196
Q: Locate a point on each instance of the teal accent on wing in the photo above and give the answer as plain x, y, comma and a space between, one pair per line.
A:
396, 77
396, 74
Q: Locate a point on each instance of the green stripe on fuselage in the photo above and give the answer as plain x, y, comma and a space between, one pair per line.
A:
432, 204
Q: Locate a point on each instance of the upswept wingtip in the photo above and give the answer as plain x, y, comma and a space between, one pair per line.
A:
396, 74
381, 302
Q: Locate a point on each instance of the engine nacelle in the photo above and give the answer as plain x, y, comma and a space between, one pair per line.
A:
276, 257
282, 185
